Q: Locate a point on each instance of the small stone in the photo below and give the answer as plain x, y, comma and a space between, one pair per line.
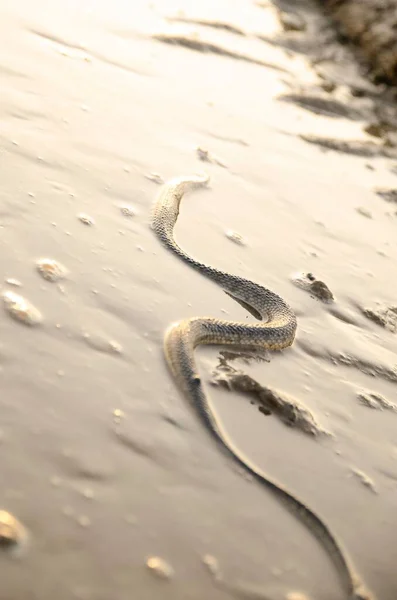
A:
235, 237
309, 283
155, 177
328, 86
102, 344
86, 219
83, 521
21, 309
364, 212
212, 564
50, 269
14, 282
115, 347
205, 156
88, 493
292, 21
376, 129
160, 567
296, 596
321, 291
365, 480
118, 414
127, 210
12, 532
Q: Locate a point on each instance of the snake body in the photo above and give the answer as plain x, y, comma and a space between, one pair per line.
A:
275, 332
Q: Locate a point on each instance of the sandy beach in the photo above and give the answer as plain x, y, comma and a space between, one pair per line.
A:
103, 461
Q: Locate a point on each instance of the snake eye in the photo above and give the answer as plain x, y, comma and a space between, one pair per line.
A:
196, 380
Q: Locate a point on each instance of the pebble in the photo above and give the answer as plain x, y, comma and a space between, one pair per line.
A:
206, 156
118, 414
88, 493
235, 237
14, 282
212, 564
365, 480
296, 596
50, 269
364, 212
292, 21
86, 219
12, 532
160, 567
21, 309
127, 210
98, 342
155, 177
83, 521
309, 283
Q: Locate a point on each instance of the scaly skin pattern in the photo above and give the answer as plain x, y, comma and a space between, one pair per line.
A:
275, 331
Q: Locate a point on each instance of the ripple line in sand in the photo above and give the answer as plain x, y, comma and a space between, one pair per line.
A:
87, 53
354, 147
211, 24
210, 48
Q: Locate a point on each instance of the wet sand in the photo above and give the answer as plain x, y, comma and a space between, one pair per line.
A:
103, 462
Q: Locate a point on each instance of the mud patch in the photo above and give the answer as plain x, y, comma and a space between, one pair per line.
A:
375, 401
390, 195
315, 287
385, 372
323, 106
385, 316
372, 27
269, 401
355, 147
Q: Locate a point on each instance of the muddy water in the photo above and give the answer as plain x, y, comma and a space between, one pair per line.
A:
102, 461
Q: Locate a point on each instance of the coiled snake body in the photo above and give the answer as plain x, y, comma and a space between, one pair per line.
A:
275, 333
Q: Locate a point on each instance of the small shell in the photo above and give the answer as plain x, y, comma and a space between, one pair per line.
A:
21, 309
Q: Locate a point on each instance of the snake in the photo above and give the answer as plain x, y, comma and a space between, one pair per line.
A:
275, 330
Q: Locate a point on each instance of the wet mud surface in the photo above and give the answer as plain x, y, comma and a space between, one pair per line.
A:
110, 485
371, 26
